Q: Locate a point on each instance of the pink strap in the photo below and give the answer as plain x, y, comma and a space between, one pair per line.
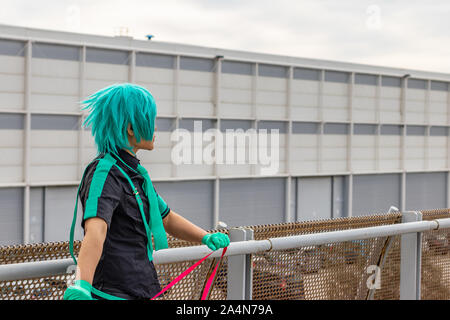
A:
189, 270
211, 277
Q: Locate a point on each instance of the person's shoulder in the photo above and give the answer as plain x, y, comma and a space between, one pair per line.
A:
102, 167
103, 171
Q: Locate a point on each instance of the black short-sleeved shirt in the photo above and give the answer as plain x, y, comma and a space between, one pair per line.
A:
124, 269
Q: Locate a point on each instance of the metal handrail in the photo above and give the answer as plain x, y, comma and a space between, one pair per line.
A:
9, 272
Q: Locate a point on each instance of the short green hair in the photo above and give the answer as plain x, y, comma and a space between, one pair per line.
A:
113, 108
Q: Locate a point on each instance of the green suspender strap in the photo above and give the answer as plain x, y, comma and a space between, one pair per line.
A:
95, 190
98, 180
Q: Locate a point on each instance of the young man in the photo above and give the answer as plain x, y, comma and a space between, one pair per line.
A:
121, 207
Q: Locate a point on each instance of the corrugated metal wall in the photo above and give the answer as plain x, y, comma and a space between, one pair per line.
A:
350, 142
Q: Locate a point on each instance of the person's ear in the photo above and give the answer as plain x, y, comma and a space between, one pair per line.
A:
130, 130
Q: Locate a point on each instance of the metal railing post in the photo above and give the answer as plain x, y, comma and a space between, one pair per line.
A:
239, 285
410, 259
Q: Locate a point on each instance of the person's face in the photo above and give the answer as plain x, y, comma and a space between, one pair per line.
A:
143, 144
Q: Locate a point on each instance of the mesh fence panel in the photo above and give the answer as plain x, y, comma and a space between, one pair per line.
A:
435, 282
53, 287
330, 271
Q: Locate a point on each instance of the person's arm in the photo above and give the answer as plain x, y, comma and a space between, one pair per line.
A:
91, 249
182, 228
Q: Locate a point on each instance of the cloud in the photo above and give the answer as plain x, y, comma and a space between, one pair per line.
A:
405, 34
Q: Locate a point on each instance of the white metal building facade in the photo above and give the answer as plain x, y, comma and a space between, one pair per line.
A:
355, 139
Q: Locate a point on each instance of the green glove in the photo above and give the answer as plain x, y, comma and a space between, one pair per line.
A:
216, 240
81, 290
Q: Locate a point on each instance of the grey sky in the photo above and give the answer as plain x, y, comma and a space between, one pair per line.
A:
406, 34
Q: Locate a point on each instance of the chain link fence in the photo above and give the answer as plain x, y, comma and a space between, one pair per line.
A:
363, 269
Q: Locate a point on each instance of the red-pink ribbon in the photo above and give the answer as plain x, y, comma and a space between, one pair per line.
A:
189, 270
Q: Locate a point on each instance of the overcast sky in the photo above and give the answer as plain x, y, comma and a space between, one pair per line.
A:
398, 33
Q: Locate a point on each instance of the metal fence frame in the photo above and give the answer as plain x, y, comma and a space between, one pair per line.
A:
242, 246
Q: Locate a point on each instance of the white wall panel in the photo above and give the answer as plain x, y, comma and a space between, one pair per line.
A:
11, 156
305, 86
92, 86
300, 154
364, 108
363, 152
158, 170
196, 78
271, 98
364, 115
391, 93
55, 103
234, 169
335, 102
305, 100
104, 71
54, 138
53, 173
12, 65
236, 96
235, 81
438, 107
165, 107
60, 155
11, 83
234, 110
415, 153
390, 111
272, 84
335, 107
196, 108
305, 167
55, 68
303, 160
361, 90
334, 153
10, 100
159, 91
390, 104
88, 139
11, 138
194, 170
305, 113
11, 174
438, 112
271, 169
332, 88
162, 139
155, 75
437, 152
271, 111
157, 155
57, 86
415, 106
195, 93
89, 154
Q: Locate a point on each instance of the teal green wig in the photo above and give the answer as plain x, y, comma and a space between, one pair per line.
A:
111, 109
